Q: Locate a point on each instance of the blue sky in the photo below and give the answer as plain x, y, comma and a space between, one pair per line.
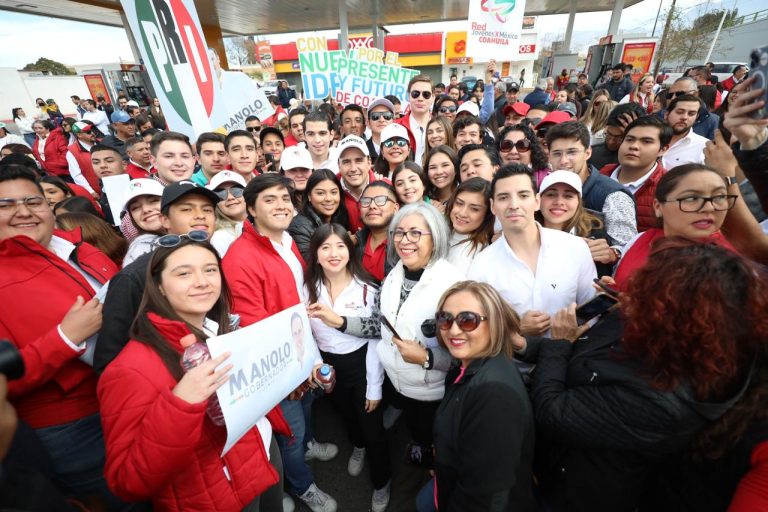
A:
25, 38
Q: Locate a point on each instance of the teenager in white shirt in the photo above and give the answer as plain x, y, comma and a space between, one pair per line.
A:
686, 146
318, 136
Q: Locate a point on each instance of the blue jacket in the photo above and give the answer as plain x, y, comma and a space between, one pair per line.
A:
536, 97
706, 123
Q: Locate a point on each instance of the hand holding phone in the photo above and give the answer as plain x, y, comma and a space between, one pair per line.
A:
390, 327
599, 305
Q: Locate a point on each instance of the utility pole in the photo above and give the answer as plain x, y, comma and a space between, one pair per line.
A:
717, 34
663, 44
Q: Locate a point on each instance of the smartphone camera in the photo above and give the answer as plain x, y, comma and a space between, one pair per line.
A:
11, 363
758, 68
429, 328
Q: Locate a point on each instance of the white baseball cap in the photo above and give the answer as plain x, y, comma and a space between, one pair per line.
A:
142, 187
222, 177
381, 102
132, 103
570, 178
352, 141
296, 156
469, 107
394, 130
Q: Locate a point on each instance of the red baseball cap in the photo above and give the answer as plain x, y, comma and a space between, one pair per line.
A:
556, 117
519, 107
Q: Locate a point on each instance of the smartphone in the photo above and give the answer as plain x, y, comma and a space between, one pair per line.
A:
758, 67
607, 289
599, 304
390, 327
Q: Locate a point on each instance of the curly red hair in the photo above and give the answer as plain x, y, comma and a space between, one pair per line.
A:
696, 315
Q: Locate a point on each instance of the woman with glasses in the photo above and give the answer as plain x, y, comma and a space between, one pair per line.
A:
439, 133
415, 363
691, 201
410, 183
161, 445
394, 150
484, 427
642, 94
441, 165
322, 204
472, 222
518, 144
142, 206
446, 107
231, 210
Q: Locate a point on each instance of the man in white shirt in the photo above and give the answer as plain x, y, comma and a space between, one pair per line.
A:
97, 117
686, 146
318, 135
539, 271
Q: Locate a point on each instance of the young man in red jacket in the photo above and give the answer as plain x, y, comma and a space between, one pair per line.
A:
420, 99
639, 169
265, 272
49, 311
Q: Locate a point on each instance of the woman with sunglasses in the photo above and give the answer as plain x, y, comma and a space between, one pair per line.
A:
323, 203
439, 133
231, 211
142, 206
472, 222
690, 201
394, 150
518, 144
446, 107
341, 309
441, 164
161, 445
410, 183
484, 427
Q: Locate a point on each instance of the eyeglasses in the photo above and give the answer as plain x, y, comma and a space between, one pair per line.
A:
569, 154
680, 93
254, 129
10, 206
693, 204
424, 94
451, 109
413, 235
197, 235
365, 202
466, 320
399, 141
376, 116
235, 191
522, 146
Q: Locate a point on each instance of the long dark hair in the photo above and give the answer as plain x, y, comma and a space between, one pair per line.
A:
314, 274
341, 216
58, 183
431, 191
481, 237
15, 113
154, 301
539, 159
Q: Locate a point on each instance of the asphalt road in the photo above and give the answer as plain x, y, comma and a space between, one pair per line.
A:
353, 494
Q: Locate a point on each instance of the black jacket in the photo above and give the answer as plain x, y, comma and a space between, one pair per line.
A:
484, 440
619, 89
602, 428
301, 230
120, 307
754, 163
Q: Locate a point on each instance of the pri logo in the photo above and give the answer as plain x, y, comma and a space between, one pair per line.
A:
499, 8
176, 51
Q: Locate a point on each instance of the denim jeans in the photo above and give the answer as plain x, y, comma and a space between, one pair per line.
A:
425, 500
30, 138
298, 415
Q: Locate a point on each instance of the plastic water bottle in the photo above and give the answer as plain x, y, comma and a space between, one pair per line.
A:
195, 355
326, 377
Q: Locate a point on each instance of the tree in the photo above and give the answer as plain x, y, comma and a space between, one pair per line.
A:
241, 51
49, 66
686, 41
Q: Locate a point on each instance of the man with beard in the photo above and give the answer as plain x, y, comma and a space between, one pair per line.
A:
686, 146
378, 205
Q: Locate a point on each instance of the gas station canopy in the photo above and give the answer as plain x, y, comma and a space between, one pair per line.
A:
250, 17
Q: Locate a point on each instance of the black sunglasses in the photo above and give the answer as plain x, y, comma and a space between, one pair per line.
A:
254, 128
391, 142
425, 94
197, 235
375, 116
522, 146
466, 320
451, 109
236, 192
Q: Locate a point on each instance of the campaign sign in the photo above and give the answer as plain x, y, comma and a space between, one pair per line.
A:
358, 76
494, 28
271, 358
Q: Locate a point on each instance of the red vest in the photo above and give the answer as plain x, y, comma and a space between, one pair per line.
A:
646, 218
83, 158
136, 172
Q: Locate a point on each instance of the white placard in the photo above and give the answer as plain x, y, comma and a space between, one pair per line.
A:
494, 29
116, 187
271, 358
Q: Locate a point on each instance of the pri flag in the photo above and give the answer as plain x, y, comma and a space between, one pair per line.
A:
494, 29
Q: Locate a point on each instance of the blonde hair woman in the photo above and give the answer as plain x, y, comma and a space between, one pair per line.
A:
643, 93
596, 115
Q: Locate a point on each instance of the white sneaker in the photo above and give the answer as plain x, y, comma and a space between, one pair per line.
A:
288, 504
318, 501
355, 464
320, 451
390, 415
380, 499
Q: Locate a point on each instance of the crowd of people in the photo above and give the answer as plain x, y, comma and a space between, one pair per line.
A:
558, 293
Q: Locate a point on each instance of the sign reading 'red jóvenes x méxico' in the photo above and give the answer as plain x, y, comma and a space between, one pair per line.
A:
494, 28
186, 75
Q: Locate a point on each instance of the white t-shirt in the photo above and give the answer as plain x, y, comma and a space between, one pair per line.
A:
99, 118
688, 150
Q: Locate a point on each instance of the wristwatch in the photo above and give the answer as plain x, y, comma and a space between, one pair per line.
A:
731, 180
427, 365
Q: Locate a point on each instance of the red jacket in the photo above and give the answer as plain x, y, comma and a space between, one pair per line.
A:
353, 204
55, 153
38, 289
136, 172
646, 217
290, 140
261, 282
163, 448
729, 83
83, 158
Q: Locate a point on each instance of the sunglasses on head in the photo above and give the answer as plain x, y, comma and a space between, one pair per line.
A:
425, 94
254, 128
236, 192
522, 146
391, 142
376, 116
466, 320
197, 235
